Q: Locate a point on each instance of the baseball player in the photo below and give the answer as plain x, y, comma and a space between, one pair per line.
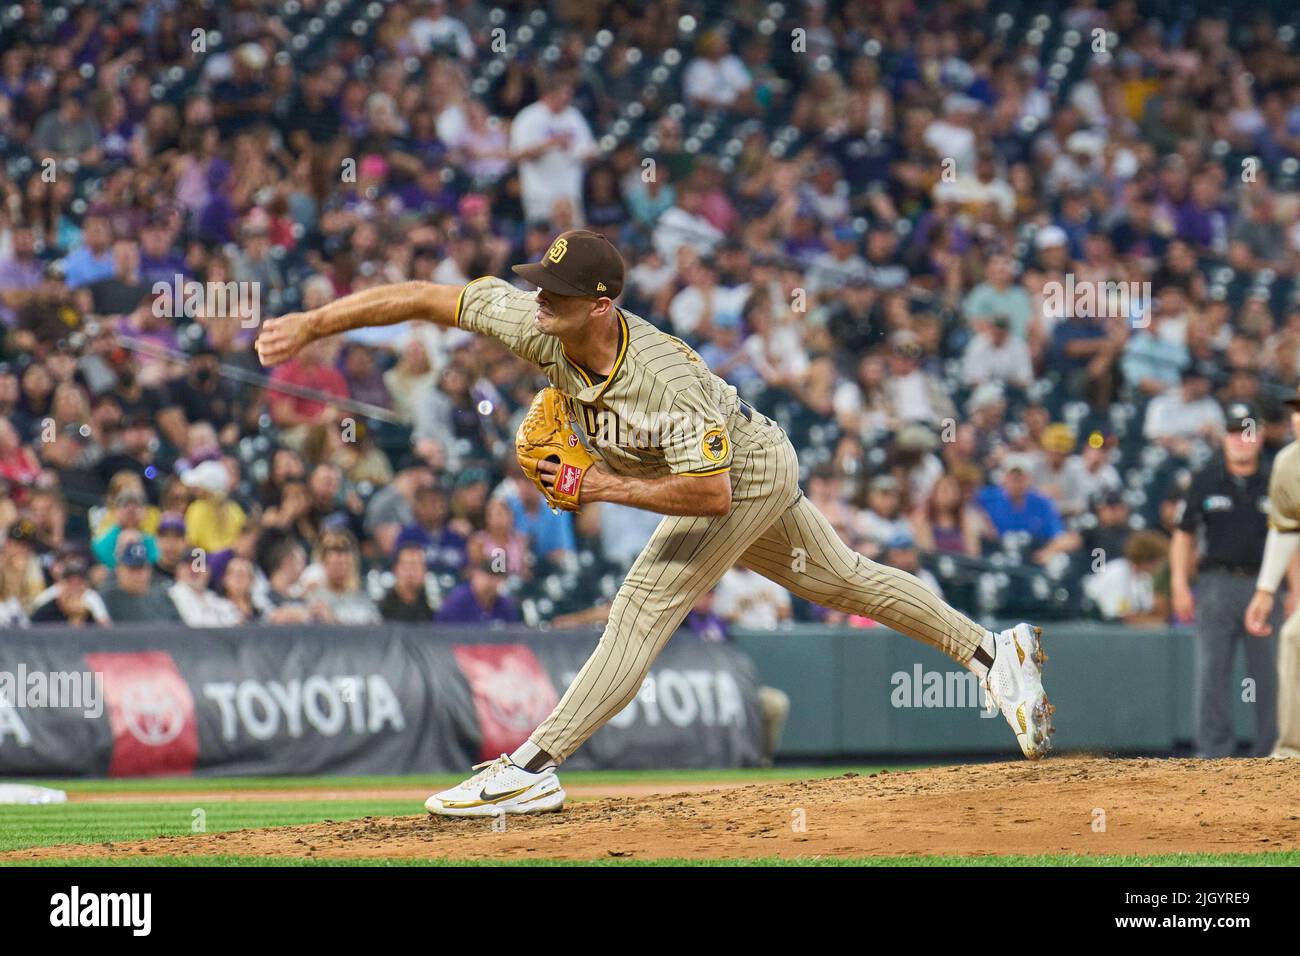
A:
1279, 550
655, 429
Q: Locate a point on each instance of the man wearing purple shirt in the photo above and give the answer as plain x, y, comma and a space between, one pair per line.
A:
478, 600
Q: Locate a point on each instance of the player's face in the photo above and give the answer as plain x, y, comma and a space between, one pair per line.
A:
560, 314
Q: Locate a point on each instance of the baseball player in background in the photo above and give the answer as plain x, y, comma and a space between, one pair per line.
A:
1279, 550
669, 436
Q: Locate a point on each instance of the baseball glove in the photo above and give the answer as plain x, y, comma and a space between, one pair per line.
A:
547, 434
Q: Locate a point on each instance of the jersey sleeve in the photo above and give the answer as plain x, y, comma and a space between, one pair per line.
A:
697, 442
494, 307
1283, 503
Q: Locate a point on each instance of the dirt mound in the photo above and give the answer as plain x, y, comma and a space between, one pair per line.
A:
1063, 805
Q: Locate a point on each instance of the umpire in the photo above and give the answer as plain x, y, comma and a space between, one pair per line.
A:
1228, 500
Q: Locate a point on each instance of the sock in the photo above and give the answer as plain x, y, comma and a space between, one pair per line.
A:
982, 659
531, 758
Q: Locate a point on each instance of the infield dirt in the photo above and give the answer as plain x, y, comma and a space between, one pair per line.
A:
1075, 805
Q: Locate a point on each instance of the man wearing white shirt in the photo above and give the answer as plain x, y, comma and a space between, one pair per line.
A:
1185, 415
684, 225
745, 598
551, 142
715, 78
436, 28
997, 356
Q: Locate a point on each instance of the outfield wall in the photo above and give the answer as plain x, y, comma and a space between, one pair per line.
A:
137, 700
856, 692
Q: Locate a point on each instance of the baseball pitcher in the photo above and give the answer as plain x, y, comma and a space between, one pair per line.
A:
634, 416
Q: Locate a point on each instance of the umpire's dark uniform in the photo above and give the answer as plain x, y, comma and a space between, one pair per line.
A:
1233, 511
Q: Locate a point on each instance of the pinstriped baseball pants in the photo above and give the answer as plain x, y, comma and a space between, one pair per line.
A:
772, 529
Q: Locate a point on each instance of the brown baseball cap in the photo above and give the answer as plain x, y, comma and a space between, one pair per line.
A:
579, 263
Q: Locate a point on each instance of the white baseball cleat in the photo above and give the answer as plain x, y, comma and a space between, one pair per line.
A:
500, 787
1015, 682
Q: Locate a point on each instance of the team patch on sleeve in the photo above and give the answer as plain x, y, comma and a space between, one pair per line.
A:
713, 446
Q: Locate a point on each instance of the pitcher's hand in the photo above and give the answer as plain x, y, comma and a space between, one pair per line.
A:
1258, 614
281, 339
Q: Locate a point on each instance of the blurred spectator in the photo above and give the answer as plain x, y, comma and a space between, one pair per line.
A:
993, 355
173, 549
1185, 417
213, 521
478, 600
551, 142
1124, 589
945, 522
70, 600
408, 599
1014, 506
197, 605
337, 584
134, 597
744, 598
128, 515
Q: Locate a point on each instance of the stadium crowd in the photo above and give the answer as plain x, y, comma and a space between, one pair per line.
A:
856, 212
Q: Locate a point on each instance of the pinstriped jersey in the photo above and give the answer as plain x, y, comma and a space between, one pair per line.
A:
1284, 490
660, 411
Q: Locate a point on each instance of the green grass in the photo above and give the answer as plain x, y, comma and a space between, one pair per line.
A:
22, 827
439, 781
1285, 858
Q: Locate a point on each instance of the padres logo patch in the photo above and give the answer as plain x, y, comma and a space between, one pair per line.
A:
714, 445
558, 248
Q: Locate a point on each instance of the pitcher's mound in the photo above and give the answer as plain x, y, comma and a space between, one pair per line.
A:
1076, 805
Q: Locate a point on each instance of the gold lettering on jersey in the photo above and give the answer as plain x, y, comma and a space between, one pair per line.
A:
558, 248
640, 431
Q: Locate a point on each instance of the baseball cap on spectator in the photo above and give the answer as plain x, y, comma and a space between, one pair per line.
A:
74, 566
171, 522
883, 483
905, 342
1110, 498
916, 437
134, 555
23, 532
1050, 236
471, 476
845, 232
210, 476
1240, 416
1058, 437
990, 393
1018, 462
899, 541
